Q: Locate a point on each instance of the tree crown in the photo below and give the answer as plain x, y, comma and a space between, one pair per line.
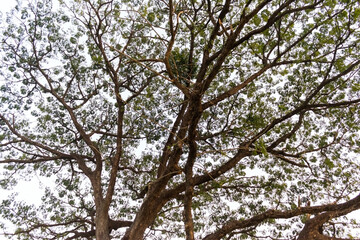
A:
190, 119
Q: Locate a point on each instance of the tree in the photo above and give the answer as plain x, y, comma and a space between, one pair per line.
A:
183, 119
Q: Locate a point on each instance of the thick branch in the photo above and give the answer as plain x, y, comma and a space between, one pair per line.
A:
233, 225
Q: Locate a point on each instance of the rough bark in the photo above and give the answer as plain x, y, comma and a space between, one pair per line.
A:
102, 225
311, 229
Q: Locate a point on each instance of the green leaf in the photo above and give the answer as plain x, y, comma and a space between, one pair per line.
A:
329, 163
257, 20
151, 17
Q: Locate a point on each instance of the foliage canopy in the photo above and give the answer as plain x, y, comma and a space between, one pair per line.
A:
201, 119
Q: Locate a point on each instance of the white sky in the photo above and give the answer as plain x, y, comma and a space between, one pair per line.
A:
7, 5
26, 189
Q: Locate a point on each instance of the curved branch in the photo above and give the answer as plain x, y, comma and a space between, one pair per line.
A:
313, 227
31, 142
332, 210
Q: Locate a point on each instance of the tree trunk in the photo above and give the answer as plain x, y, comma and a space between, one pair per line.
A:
147, 213
102, 225
143, 220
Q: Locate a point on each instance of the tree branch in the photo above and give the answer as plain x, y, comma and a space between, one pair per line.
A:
331, 209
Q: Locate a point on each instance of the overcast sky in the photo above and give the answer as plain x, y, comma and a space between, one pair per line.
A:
7, 5
29, 190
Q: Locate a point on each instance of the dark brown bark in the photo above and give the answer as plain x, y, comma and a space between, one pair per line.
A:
155, 200
102, 208
331, 211
189, 180
102, 225
147, 213
171, 140
313, 227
